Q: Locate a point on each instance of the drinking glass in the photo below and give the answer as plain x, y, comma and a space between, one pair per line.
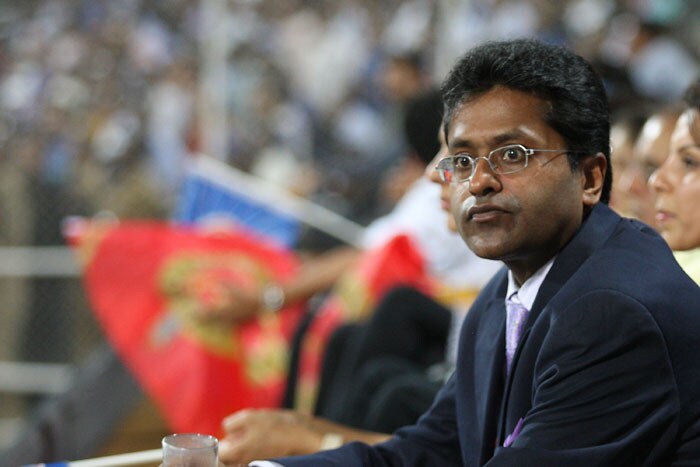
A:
190, 450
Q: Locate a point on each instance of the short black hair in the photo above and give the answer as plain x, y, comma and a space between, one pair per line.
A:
578, 103
422, 120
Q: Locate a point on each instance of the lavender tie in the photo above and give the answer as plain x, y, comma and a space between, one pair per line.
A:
516, 316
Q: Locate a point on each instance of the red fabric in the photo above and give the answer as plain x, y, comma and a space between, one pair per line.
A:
398, 262
145, 281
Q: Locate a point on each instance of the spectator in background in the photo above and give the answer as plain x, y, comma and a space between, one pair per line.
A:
676, 184
631, 193
624, 131
650, 151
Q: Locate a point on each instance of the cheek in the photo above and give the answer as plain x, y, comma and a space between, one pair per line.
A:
553, 208
689, 209
457, 195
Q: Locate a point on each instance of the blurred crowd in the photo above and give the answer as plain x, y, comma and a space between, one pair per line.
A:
102, 102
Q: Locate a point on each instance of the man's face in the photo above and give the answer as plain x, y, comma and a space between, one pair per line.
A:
523, 218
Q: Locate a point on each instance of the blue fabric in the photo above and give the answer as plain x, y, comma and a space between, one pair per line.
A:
203, 200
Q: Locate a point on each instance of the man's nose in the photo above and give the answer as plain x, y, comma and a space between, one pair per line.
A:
483, 179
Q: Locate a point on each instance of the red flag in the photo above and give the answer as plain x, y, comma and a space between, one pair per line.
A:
146, 282
398, 262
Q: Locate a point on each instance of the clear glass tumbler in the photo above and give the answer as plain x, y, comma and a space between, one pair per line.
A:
190, 450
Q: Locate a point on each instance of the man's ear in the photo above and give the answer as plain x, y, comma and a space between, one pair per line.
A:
592, 170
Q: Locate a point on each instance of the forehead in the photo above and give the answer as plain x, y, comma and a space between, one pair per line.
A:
498, 115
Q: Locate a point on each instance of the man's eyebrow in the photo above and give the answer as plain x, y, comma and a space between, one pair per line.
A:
506, 137
494, 142
459, 142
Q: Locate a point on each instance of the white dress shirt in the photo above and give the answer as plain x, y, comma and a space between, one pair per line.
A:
528, 291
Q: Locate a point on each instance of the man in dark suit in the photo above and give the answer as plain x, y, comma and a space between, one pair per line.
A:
581, 352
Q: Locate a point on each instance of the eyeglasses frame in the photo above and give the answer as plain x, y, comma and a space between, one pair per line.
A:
474, 159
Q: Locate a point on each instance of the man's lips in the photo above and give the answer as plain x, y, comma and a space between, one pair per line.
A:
485, 212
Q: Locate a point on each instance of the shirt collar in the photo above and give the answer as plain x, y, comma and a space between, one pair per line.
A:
528, 291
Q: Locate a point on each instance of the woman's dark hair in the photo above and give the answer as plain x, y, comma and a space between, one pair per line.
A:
578, 105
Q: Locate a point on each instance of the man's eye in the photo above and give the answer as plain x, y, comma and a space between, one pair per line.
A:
462, 162
512, 155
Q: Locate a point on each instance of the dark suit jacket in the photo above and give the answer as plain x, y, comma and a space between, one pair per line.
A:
607, 372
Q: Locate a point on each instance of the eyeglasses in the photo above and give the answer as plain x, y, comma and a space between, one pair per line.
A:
505, 160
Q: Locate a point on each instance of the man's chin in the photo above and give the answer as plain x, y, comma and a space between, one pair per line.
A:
487, 250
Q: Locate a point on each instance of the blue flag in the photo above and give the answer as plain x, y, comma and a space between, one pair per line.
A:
209, 197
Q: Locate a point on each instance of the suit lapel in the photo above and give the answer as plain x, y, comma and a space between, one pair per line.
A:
593, 233
489, 347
